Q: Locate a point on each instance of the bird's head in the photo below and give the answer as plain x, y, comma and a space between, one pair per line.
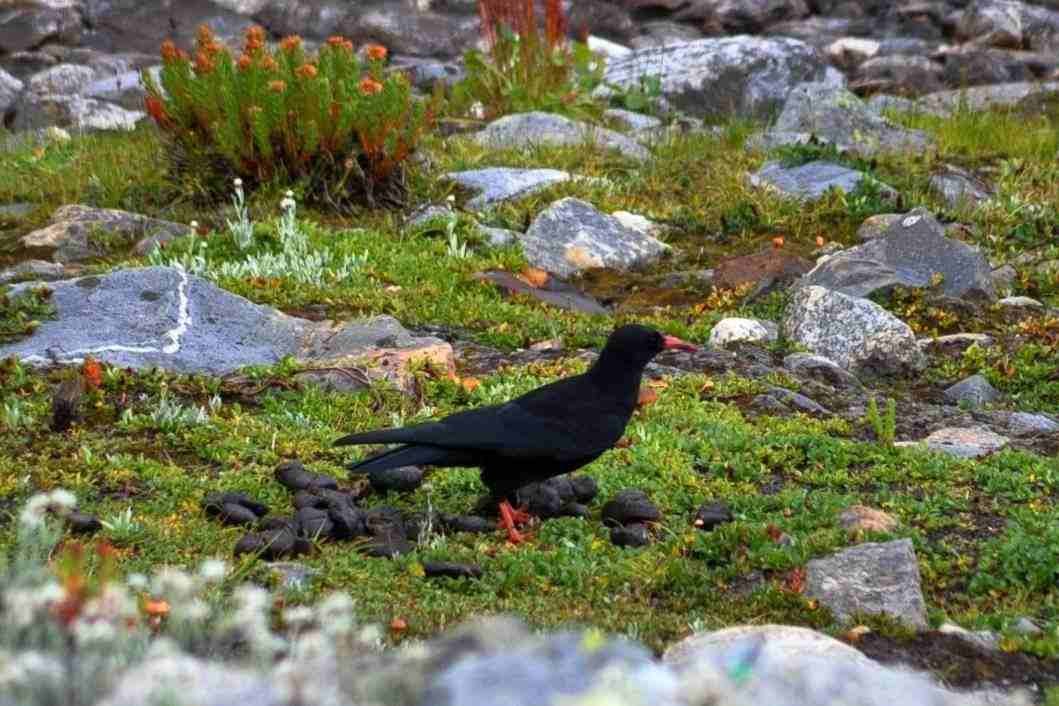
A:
639, 344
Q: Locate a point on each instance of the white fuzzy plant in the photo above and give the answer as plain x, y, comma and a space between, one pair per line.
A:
297, 259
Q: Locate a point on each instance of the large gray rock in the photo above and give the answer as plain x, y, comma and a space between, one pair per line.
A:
496, 184
1010, 24
898, 73
856, 333
870, 578
25, 25
406, 28
737, 330
809, 182
134, 25
571, 236
124, 89
79, 233
164, 317
912, 252
524, 130
63, 79
775, 638
745, 76
35, 111
959, 187
834, 116
10, 88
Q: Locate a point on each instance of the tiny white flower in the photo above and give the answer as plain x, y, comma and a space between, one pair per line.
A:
194, 225
290, 194
238, 183
137, 582
213, 570
451, 198
173, 584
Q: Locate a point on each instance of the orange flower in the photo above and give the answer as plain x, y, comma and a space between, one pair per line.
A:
156, 607
778, 242
256, 34
277, 86
92, 372
156, 109
375, 52
170, 53
290, 43
204, 35
245, 62
269, 64
204, 63
369, 86
819, 241
306, 71
336, 41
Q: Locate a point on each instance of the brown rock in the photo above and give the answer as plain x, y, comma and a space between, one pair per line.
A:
866, 519
768, 266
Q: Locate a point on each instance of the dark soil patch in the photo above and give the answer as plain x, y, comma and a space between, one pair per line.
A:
960, 664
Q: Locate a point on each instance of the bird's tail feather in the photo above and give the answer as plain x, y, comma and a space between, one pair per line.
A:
401, 456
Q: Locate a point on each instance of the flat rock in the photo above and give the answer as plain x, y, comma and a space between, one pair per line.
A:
740, 75
34, 111
820, 368
78, 233
796, 401
811, 181
983, 97
956, 342
736, 330
497, 184
571, 236
962, 442
164, 317
631, 121
912, 252
855, 333
870, 578
63, 79
553, 293
33, 270
959, 187
830, 114
1021, 303
774, 638
527, 130
1028, 424
974, 391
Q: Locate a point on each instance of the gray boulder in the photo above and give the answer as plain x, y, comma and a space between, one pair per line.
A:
959, 187
912, 252
10, 89
124, 89
855, 333
717, 78
962, 442
983, 97
571, 236
974, 391
832, 115
809, 182
525, 130
79, 233
35, 111
496, 184
163, 317
63, 79
25, 25
820, 368
870, 578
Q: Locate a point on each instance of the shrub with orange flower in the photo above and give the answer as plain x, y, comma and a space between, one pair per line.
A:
223, 115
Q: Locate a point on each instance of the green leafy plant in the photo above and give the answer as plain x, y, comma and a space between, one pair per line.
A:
342, 123
884, 425
526, 67
122, 528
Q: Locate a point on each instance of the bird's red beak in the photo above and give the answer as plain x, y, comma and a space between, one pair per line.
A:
674, 343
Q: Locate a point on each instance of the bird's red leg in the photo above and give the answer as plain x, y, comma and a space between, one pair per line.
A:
510, 518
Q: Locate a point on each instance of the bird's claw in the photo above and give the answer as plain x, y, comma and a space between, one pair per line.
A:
511, 519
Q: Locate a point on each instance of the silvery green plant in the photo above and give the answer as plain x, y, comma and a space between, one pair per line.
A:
122, 528
57, 651
14, 415
241, 228
168, 415
455, 247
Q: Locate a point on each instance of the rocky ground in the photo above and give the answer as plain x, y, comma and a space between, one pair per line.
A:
849, 206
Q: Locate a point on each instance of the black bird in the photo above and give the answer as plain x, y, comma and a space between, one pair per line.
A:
552, 430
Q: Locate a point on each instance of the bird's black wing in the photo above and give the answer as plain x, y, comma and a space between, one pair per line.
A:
562, 421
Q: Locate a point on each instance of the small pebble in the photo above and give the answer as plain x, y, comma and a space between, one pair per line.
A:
633, 535
629, 507
712, 515
434, 569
